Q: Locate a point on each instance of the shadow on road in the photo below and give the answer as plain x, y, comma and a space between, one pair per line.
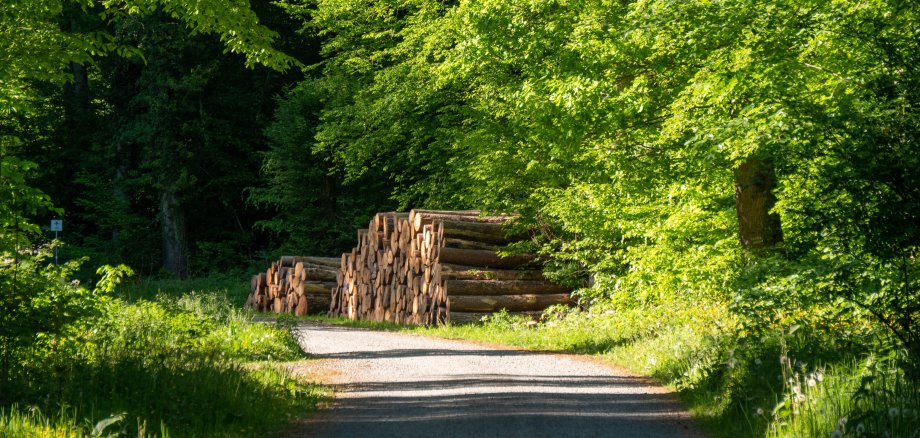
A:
473, 391
502, 406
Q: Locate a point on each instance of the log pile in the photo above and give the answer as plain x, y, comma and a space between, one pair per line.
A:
429, 267
298, 285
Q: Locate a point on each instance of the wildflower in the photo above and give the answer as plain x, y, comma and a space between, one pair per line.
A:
759, 411
811, 381
860, 429
836, 434
893, 412
757, 361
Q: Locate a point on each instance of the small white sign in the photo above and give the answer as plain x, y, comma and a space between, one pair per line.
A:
57, 225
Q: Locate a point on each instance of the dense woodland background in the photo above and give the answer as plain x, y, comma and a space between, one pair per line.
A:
756, 164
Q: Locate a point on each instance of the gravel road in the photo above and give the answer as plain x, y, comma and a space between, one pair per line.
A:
402, 385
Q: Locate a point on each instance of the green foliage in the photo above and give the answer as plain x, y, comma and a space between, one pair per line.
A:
111, 277
20, 423
616, 128
181, 362
866, 398
38, 304
315, 211
141, 97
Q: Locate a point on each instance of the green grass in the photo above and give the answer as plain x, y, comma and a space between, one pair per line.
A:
18, 423
860, 398
164, 358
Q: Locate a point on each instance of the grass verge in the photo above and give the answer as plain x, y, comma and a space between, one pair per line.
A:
183, 360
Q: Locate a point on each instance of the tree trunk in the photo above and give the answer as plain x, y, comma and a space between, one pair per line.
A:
172, 227
754, 184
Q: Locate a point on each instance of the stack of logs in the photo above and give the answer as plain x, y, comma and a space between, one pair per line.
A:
298, 285
429, 267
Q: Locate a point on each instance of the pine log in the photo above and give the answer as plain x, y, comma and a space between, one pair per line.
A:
417, 217
301, 308
478, 231
332, 262
318, 287
504, 287
484, 258
450, 242
460, 272
494, 303
318, 303
317, 274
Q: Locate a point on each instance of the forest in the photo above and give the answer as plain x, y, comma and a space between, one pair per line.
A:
733, 187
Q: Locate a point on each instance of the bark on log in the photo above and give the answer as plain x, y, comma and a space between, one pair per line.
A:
503, 287
484, 258
469, 244
315, 274
478, 231
461, 272
318, 303
494, 303
332, 262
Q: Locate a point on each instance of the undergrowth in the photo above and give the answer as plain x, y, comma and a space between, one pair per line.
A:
173, 361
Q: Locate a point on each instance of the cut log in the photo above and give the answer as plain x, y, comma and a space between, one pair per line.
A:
460, 272
478, 231
419, 218
318, 287
484, 258
301, 308
316, 274
318, 303
504, 287
494, 303
468, 244
332, 262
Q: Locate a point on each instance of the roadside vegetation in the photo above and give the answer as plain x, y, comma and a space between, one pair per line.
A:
187, 363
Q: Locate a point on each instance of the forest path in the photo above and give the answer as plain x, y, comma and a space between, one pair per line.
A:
402, 385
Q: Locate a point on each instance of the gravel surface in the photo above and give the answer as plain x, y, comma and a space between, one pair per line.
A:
402, 385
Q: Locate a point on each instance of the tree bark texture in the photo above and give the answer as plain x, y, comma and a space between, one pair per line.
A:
754, 183
172, 227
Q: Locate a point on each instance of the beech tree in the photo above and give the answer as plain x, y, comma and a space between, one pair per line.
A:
660, 141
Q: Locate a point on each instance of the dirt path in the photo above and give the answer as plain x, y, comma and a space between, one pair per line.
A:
400, 385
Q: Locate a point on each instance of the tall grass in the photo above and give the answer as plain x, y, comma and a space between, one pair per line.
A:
19, 423
32, 423
856, 399
187, 362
